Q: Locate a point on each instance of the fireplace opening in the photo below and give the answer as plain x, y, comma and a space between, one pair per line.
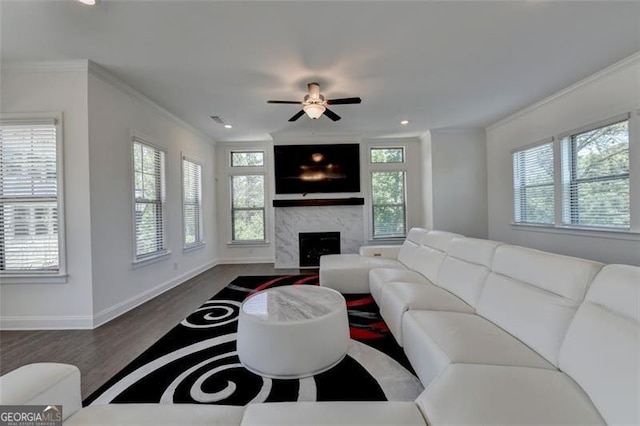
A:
315, 244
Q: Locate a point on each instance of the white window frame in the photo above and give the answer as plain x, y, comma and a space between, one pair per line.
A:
200, 225
558, 227
521, 187
568, 178
387, 167
164, 252
248, 171
58, 276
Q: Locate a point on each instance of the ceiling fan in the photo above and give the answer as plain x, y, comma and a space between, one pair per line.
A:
314, 104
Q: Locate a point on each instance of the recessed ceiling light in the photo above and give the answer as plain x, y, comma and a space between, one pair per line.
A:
403, 122
90, 2
228, 126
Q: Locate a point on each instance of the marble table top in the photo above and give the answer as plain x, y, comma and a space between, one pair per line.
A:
293, 303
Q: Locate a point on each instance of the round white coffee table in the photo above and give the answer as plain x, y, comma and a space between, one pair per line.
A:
293, 331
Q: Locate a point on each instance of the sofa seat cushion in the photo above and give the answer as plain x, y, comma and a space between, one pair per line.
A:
157, 414
399, 297
349, 273
333, 413
379, 277
491, 394
434, 340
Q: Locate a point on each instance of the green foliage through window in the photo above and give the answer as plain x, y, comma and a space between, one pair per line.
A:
388, 194
247, 207
387, 155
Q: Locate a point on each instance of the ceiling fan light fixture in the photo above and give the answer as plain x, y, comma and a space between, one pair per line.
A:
314, 111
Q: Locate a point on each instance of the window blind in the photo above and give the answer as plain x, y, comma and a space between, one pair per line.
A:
29, 217
192, 202
149, 188
596, 177
533, 184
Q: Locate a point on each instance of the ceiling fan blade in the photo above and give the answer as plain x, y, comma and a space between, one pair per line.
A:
283, 102
298, 115
343, 101
332, 115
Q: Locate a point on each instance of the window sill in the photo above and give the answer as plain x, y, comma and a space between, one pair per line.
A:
193, 247
256, 243
613, 234
139, 263
33, 279
387, 240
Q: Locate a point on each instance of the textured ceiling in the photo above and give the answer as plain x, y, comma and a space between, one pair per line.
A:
446, 64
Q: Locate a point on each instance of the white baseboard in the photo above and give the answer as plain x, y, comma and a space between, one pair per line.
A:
118, 309
248, 260
46, 323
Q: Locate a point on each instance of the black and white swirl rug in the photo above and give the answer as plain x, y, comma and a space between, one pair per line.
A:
197, 362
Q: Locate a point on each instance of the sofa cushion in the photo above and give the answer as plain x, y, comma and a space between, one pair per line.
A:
333, 413
433, 340
380, 277
44, 383
468, 394
410, 245
157, 414
601, 350
534, 295
466, 267
431, 253
399, 297
349, 273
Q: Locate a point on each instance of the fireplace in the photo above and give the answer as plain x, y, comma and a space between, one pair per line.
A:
312, 245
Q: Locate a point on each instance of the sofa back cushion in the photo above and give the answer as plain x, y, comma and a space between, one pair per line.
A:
411, 245
534, 295
466, 267
431, 253
601, 350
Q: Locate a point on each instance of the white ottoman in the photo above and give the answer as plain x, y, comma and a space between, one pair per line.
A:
349, 273
293, 331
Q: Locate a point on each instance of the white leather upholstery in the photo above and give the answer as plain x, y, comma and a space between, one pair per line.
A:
380, 277
157, 414
466, 267
386, 251
602, 348
349, 273
469, 394
399, 297
433, 340
534, 295
43, 384
431, 253
333, 413
411, 243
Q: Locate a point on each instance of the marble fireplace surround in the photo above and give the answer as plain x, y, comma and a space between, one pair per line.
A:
344, 215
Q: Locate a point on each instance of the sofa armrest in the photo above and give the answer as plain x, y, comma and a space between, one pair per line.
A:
43, 384
386, 251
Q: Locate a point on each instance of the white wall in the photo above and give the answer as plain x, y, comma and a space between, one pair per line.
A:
455, 180
99, 114
114, 112
63, 88
604, 95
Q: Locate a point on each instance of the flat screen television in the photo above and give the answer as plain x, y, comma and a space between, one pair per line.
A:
302, 169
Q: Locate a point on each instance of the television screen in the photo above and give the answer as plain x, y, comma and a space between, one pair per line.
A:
301, 169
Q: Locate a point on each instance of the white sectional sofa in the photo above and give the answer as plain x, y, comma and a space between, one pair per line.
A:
501, 334
498, 334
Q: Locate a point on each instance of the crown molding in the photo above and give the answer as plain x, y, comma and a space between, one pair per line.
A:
107, 77
594, 77
50, 66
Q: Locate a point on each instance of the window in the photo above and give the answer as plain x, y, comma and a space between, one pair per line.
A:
191, 202
388, 189
248, 187
533, 185
595, 177
247, 208
30, 198
149, 194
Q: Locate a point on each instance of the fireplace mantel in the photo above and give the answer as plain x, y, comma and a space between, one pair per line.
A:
312, 202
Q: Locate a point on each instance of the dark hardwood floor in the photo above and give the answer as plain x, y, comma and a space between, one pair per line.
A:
102, 352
